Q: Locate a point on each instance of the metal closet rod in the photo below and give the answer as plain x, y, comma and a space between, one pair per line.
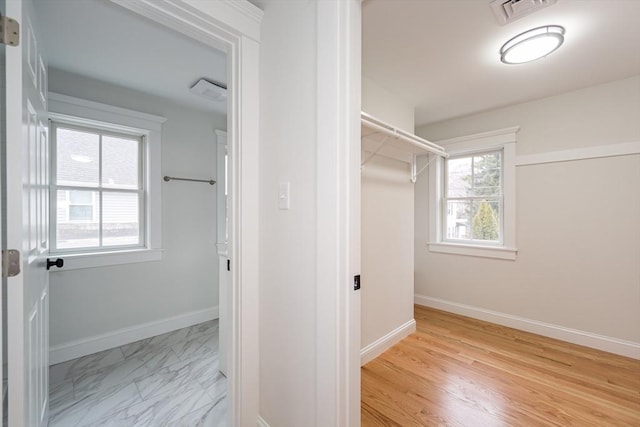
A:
173, 178
385, 128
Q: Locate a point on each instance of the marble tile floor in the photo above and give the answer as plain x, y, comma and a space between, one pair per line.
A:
167, 380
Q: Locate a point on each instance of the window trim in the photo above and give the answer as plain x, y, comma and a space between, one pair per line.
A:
445, 199
81, 112
99, 189
504, 140
221, 196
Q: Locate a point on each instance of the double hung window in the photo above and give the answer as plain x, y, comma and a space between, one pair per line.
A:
472, 196
97, 189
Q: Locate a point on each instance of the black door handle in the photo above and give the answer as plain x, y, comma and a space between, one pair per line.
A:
58, 262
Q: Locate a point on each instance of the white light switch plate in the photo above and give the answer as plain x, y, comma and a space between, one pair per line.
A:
284, 194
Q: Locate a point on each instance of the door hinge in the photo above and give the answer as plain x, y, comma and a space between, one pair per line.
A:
10, 263
9, 31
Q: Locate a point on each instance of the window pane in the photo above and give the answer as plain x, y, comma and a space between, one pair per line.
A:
80, 213
485, 223
458, 220
120, 162
77, 197
121, 221
459, 177
77, 157
77, 225
486, 174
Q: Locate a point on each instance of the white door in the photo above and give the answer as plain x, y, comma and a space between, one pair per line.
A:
224, 263
26, 167
3, 226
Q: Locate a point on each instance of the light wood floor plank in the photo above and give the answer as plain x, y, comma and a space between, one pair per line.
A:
457, 371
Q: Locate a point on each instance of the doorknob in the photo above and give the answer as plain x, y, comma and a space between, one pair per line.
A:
58, 262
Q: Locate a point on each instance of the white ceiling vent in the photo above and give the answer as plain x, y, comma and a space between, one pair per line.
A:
507, 11
209, 90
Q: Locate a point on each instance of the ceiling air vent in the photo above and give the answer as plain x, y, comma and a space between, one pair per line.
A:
507, 11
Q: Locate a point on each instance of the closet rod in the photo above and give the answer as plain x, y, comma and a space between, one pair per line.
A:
173, 178
382, 127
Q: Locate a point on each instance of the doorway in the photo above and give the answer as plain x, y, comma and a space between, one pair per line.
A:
155, 303
229, 39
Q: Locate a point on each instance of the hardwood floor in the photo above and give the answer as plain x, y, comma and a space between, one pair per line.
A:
457, 371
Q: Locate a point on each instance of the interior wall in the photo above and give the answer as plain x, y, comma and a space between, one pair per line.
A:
382, 104
386, 228
387, 248
577, 221
288, 255
89, 302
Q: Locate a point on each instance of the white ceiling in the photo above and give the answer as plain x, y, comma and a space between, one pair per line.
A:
442, 56
98, 39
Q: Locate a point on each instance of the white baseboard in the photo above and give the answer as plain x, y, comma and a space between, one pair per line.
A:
587, 339
262, 422
381, 345
83, 347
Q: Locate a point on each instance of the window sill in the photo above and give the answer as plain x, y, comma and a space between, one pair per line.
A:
474, 250
104, 259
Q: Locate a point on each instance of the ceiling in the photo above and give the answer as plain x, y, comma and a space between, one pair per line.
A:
442, 56
101, 40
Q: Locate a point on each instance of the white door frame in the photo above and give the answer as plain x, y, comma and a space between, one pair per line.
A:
338, 201
234, 26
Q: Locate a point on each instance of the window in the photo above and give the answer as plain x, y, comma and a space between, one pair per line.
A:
98, 189
80, 206
105, 183
472, 196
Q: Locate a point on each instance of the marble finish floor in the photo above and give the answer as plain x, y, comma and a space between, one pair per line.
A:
167, 380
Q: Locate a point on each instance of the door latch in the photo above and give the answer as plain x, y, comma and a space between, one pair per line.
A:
9, 31
10, 263
58, 262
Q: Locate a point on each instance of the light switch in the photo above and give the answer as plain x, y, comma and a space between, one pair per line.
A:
284, 192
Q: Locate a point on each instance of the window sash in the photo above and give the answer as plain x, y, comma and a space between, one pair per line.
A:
101, 131
445, 199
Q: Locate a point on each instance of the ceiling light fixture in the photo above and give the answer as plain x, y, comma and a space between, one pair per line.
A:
533, 44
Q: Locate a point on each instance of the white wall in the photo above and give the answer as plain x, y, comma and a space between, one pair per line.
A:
387, 231
288, 258
86, 303
309, 102
387, 248
578, 233
384, 105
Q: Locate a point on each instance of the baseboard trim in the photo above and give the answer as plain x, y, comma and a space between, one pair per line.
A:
587, 339
83, 347
381, 345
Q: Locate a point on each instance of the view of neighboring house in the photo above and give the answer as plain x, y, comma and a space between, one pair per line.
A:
98, 188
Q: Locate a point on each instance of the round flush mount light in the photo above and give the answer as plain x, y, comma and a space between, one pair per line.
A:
533, 44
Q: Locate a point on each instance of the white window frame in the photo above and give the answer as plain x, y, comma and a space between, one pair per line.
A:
503, 140
80, 112
222, 194
105, 129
